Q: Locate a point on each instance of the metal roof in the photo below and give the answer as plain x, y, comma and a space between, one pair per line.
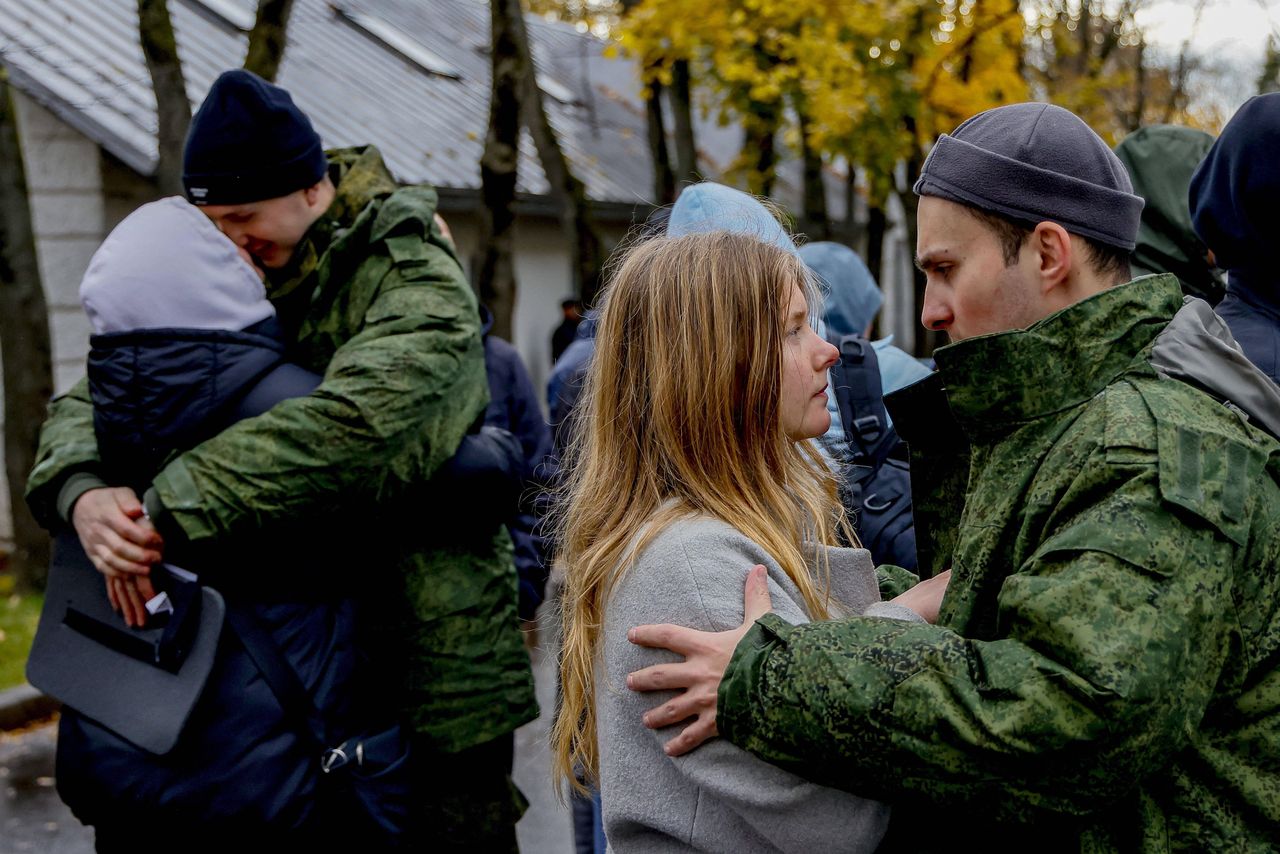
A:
82, 60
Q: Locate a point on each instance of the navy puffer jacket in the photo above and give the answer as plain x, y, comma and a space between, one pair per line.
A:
240, 762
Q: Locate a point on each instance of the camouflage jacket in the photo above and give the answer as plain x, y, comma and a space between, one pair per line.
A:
1105, 672
375, 300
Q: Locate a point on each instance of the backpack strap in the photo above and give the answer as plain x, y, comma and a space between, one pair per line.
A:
860, 395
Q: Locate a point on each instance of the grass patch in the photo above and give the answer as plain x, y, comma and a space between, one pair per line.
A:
19, 614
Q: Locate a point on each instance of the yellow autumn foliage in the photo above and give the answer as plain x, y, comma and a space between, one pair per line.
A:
876, 79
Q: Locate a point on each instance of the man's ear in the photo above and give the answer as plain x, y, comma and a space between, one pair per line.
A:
321, 192
1055, 255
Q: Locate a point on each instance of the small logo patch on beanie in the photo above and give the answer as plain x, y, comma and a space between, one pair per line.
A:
198, 193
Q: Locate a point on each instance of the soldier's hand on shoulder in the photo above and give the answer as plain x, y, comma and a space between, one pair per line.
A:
707, 656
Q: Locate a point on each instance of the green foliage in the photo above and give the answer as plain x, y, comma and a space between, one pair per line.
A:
19, 614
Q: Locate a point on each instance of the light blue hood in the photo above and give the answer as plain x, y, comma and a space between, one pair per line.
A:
852, 296
714, 207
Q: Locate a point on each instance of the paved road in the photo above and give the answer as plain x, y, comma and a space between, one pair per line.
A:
32, 818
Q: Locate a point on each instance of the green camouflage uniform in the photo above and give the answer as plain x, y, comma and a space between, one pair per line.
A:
1104, 673
337, 482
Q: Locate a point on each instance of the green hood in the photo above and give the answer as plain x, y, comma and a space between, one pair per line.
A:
1161, 160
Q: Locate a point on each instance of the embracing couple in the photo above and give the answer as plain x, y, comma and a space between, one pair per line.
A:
286, 373
1094, 662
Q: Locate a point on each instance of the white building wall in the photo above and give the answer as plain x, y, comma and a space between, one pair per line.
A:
544, 277
64, 177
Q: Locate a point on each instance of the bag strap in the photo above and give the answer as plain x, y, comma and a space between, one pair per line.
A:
280, 675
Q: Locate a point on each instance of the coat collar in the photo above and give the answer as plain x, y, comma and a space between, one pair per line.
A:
995, 382
359, 175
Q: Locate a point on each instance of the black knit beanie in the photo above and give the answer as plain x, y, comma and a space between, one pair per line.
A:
248, 142
1033, 163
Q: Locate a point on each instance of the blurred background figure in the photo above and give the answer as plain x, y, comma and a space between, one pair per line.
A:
1233, 204
568, 328
1161, 160
513, 406
853, 300
870, 458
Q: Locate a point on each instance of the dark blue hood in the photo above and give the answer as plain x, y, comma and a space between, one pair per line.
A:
1233, 208
1234, 194
157, 391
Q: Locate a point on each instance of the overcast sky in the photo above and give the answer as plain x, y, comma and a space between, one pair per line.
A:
1234, 25
1231, 35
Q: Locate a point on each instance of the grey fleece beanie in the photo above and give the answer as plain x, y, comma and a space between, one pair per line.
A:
1032, 163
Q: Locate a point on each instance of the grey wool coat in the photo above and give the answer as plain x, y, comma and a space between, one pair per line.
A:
719, 798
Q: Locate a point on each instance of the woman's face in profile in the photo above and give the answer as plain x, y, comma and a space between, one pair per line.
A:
805, 360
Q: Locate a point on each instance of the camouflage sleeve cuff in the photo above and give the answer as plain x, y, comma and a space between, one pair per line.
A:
738, 686
162, 518
76, 485
894, 580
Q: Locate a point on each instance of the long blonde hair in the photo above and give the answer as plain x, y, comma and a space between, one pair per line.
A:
680, 416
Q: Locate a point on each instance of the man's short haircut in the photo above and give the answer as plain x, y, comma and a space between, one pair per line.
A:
1107, 261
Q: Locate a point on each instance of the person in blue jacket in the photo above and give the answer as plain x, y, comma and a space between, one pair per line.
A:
185, 343
853, 300
513, 406
1233, 198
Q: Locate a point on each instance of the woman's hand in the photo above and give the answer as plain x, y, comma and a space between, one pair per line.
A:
926, 597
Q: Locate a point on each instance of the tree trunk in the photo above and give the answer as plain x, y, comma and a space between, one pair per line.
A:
664, 180
495, 267
1084, 42
1140, 85
877, 225
566, 188
24, 347
849, 228
682, 124
759, 147
817, 225
173, 110
267, 38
